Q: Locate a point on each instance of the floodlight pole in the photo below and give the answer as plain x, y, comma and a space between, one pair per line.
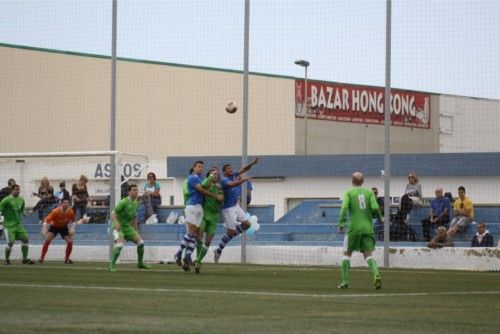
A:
244, 139
305, 106
113, 195
387, 132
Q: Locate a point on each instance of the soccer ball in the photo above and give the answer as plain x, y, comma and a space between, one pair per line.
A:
231, 107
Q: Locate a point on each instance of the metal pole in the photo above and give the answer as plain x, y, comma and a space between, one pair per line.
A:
244, 139
387, 128
306, 114
113, 196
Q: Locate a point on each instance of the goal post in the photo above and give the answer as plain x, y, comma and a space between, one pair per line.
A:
63, 170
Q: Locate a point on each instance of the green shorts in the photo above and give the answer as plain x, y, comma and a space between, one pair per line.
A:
209, 222
16, 232
126, 233
360, 242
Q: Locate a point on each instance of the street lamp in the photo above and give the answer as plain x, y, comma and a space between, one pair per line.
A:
304, 64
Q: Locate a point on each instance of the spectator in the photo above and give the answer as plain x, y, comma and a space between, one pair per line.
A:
152, 197
249, 191
441, 239
483, 238
378, 224
62, 194
380, 200
464, 213
439, 214
47, 198
414, 189
80, 196
6, 191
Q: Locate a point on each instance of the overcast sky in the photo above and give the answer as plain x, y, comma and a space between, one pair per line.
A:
443, 46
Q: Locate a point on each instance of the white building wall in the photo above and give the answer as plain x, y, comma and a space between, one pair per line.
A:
484, 190
469, 124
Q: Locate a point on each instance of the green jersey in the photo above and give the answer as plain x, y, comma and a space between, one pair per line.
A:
12, 209
126, 211
210, 204
362, 206
185, 191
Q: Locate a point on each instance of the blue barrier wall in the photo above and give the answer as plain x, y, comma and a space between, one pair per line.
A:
313, 222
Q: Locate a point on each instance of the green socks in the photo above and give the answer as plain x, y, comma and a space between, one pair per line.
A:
116, 254
199, 245
140, 253
201, 254
24, 250
346, 265
373, 266
7, 252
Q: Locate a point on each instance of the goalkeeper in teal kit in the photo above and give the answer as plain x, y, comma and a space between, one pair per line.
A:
362, 206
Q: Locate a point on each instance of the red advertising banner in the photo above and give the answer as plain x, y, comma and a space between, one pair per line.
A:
358, 104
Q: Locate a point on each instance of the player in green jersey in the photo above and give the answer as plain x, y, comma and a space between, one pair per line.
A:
211, 209
125, 228
362, 207
12, 209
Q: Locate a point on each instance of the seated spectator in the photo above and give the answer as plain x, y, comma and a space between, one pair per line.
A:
62, 194
47, 198
380, 200
152, 197
414, 189
6, 191
439, 214
464, 213
441, 239
483, 238
378, 224
80, 196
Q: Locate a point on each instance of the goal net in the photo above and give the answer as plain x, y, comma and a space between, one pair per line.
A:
60, 172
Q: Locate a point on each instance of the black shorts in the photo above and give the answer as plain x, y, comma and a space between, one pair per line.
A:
63, 231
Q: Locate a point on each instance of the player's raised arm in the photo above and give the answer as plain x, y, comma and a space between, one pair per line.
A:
245, 168
237, 182
205, 192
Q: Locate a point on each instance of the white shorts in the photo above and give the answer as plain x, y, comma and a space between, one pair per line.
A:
194, 214
233, 216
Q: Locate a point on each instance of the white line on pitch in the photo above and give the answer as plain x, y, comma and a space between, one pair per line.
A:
247, 293
228, 266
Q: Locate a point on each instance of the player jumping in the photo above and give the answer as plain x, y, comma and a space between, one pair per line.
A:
235, 218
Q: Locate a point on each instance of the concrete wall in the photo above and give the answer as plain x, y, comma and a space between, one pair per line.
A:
469, 125
51, 101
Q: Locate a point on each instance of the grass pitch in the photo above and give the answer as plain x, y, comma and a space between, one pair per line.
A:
86, 298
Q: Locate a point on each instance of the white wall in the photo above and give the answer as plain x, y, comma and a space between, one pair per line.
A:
469, 124
479, 189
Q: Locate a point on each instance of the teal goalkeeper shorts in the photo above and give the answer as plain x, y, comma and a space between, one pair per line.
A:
209, 222
17, 232
359, 242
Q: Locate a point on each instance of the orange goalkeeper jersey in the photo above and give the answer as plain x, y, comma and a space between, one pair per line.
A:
59, 219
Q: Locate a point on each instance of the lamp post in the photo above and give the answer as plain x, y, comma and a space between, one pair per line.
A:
304, 64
